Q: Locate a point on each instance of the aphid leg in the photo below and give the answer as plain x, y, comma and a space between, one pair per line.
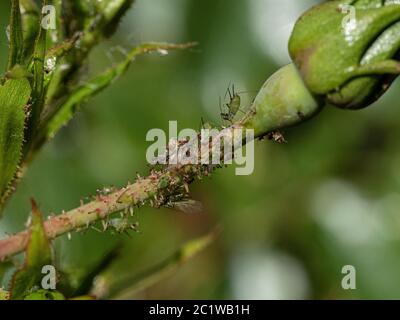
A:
228, 91
224, 116
105, 225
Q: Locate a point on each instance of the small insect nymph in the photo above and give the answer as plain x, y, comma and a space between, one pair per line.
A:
277, 136
122, 225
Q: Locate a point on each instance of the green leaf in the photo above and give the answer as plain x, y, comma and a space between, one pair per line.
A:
38, 254
16, 38
14, 96
30, 25
18, 72
45, 295
38, 91
128, 286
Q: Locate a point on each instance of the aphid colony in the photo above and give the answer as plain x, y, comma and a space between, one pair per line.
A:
171, 194
121, 225
177, 198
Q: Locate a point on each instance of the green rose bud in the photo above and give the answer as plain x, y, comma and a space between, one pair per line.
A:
283, 101
348, 63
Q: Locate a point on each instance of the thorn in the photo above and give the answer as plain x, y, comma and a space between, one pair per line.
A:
34, 205
186, 187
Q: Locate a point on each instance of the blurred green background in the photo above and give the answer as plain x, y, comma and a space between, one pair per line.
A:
328, 198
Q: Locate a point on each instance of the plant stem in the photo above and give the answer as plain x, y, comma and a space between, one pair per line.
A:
83, 216
97, 84
156, 189
127, 286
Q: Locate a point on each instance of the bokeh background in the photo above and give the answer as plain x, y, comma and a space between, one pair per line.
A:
328, 198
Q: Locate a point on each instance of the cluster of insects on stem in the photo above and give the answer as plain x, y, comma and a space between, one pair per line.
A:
120, 225
127, 221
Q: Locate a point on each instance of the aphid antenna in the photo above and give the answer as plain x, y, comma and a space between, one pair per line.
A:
220, 105
228, 90
247, 91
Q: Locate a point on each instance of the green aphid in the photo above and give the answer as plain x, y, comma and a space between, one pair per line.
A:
122, 225
163, 183
350, 66
233, 105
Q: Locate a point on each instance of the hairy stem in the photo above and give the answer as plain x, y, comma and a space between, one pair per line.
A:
156, 189
58, 116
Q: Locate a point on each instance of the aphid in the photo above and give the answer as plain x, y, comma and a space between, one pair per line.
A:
233, 105
188, 206
205, 125
123, 225
106, 191
277, 136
